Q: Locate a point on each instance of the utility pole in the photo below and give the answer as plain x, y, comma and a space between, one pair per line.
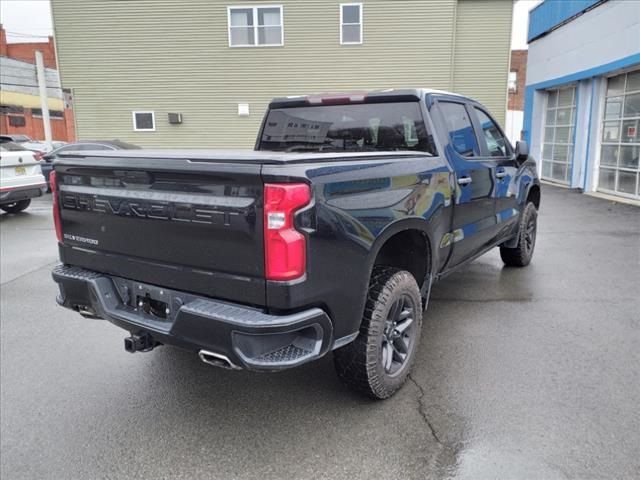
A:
42, 86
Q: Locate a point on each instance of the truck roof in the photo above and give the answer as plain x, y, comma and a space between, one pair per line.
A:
360, 96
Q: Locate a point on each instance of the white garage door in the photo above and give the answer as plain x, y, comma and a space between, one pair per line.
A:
557, 146
619, 171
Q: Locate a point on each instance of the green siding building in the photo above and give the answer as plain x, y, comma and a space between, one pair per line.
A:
218, 63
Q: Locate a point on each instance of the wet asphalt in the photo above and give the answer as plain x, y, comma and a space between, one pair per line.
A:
522, 374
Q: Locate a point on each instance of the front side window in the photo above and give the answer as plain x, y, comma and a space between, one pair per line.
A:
461, 134
144, 121
350, 23
255, 26
491, 135
347, 128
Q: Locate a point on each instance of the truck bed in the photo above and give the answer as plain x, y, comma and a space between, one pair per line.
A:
229, 156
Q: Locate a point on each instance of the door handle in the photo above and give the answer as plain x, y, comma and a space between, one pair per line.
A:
464, 180
500, 174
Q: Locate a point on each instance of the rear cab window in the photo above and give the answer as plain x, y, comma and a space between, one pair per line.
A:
459, 128
366, 127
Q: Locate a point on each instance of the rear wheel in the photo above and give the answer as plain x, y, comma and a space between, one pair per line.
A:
16, 207
521, 255
378, 361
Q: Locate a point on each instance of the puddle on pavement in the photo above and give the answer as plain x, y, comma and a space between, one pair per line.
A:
490, 462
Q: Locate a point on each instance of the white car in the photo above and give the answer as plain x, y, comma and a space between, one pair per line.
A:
21, 177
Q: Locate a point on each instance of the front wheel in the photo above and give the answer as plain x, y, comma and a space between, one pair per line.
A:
378, 361
521, 255
16, 207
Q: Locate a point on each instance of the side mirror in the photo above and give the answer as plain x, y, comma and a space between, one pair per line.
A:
522, 151
47, 158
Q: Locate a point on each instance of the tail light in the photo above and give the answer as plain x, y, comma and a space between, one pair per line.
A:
38, 155
56, 205
285, 249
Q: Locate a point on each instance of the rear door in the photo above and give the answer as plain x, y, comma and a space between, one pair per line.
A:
473, 213
496, 150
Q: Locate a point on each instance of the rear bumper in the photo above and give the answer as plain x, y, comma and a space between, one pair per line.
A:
248, 337
24, 192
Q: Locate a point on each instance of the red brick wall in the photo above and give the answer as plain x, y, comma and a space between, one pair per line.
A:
518, 65
61, 128
27, 51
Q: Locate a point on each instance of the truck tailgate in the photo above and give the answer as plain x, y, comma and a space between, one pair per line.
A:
194, 226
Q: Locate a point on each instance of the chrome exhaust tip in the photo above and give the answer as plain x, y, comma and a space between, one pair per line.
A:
217, 360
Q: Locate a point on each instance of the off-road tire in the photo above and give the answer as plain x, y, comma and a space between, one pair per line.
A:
16, 207
521, 255
360, 363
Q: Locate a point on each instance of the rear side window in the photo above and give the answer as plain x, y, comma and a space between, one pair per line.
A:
83, 146
348, 128
495, 141
461, 134
93, 146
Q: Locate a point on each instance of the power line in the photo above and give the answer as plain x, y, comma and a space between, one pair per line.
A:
27, 35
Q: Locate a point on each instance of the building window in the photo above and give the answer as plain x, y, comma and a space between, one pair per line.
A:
513, 82
350, 23
144, 122
7, 109
16, 121
557, 144
53, 114
255, 26
620, 142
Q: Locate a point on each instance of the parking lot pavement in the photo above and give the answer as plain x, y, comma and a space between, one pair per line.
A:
522, 373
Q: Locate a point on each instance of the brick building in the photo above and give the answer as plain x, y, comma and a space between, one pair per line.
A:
517, 79
20, 108
515, 102
26, 51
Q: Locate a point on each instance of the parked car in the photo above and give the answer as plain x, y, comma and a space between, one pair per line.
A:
17, 137
20, 176
49, 158
329, 236
40, 148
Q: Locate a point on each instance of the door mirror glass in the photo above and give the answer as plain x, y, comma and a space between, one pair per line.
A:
522, 151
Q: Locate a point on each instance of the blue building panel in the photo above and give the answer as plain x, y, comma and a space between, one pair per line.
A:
551, 13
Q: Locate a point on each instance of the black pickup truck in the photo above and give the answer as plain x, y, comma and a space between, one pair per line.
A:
327, 237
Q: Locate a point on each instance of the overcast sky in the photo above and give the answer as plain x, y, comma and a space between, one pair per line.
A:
24, 19
30, 20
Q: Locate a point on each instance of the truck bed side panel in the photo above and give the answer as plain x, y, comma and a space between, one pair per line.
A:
358, 205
